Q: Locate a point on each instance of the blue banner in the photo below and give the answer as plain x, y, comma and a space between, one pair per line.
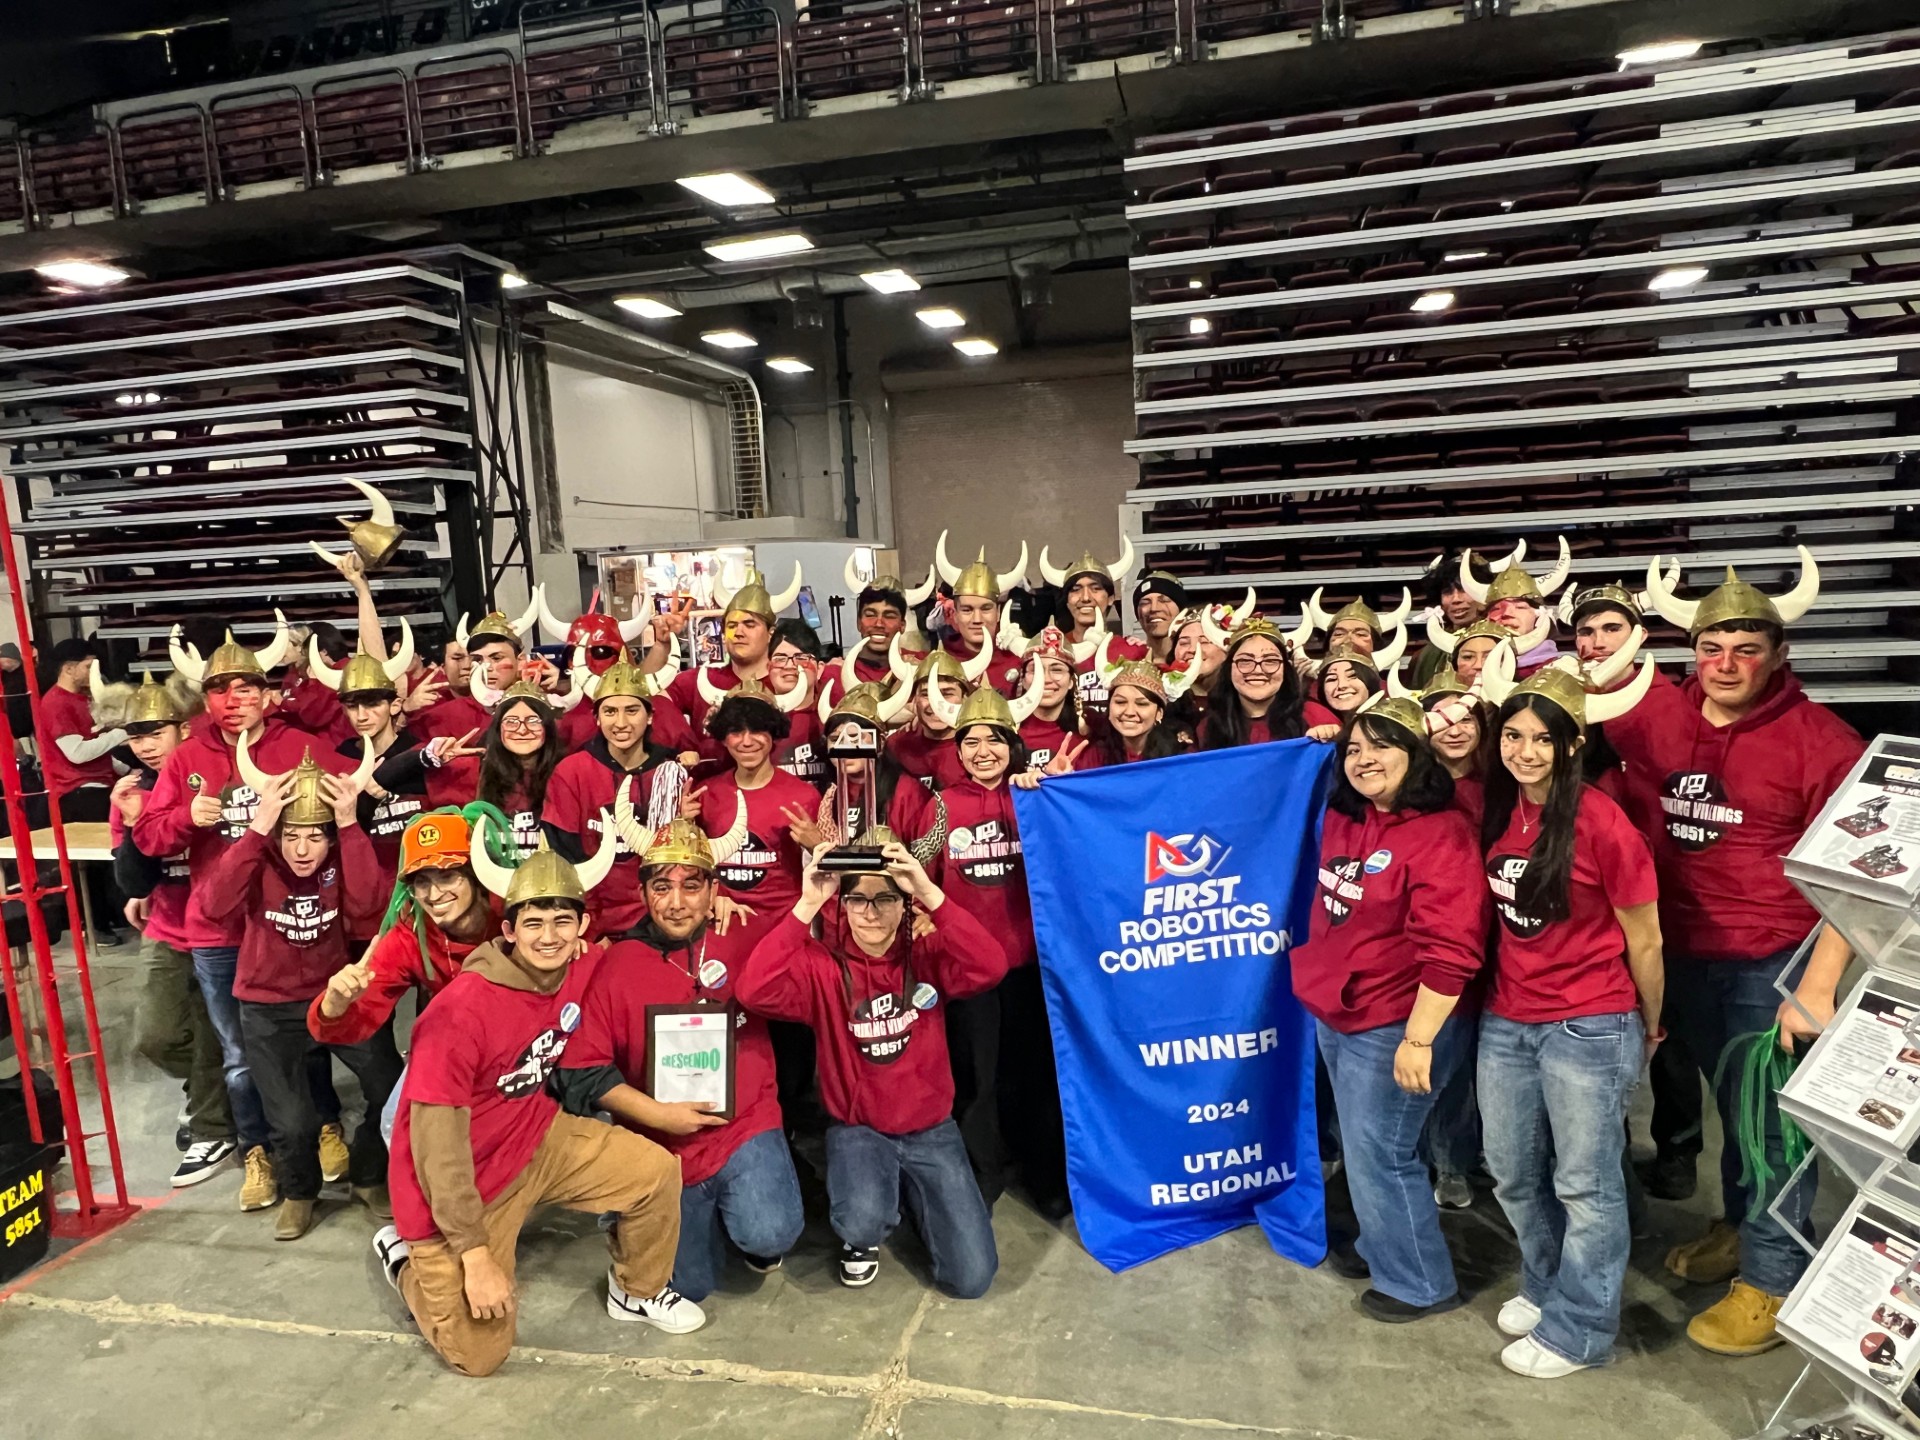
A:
1166, 895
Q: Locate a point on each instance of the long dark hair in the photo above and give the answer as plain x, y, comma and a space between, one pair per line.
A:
502, 772
1543, 890
1486, 749
1366, 675
1228, 723
1158, 743
1018, 757
1427, 789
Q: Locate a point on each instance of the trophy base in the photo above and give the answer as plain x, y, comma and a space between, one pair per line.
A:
845, 859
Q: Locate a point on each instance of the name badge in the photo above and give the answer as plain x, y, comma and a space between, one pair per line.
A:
925, 997
713, 974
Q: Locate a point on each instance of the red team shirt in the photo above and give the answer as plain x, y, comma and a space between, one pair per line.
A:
487, 1049
765, 874
167, 902
63, 712
1564, 969
1402, 903
984, 870
296, 929
613, 1031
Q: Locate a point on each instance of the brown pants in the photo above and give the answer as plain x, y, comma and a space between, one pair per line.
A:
582, 1165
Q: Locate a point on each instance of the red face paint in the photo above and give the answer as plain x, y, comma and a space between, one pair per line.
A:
1519, 616
236, 706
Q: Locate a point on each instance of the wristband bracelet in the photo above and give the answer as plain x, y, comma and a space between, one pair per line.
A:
1417, 1044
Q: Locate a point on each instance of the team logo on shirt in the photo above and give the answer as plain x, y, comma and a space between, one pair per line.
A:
749, 864
390, 816
882, 1027
1697, 815
1503, 878
536, 1063
1341, 888
987, 853
237, 804
303, 919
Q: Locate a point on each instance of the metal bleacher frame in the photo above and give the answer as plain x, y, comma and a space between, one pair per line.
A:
173, 449
1301, 423
505, 94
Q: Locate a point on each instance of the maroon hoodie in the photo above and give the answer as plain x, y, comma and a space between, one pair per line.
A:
1733, 799
296, 929
882, 1050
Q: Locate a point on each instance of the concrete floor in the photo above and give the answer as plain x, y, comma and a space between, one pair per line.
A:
192, 1322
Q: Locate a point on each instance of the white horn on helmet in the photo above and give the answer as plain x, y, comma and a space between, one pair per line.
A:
795, 698
852, 577
530, 616
1398, 615
279, 648
1395, 687
369, 762
709, 692
251, 774
1385, 656
1563, 611
944, 709
1526, 644
319, 669
1438, 636
1797, 601
478, 688
460, 631
1298, 637
1615, 703
494, 876
1024, 704
849, 677
1316, 614
1496, 674
1103, 662
897, 662
640, 624
1086, 649
1005, 580
1467, 583
595, 869
579, 676
918, 594
783, 598
1644, 601
625, 823
551, 625
186, 659
1512, 557
976, 667
949, 571
727, 845
1215, 635
1563, 567
1050, 572
1601, 674
894, 705
402, 659
1671, 607
1125, 562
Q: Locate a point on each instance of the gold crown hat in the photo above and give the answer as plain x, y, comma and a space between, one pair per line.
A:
376, 537
753, 597
543, 875
363, 674
309, 804
1564, 685
987, 706
1087, 565
1735, 599
1361, 611
498, 625
1511, 581
622, 677
1398, 710
231, 657
893, 584
680, 841
786, 704
979, 578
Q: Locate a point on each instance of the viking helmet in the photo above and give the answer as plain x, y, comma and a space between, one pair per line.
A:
231, 658
786, 704
1511, 582
1361, 611
497, 625
1398, 710
1735, 599
985, 706
891, 584
679, 841
622, 678
1562, 685
152, 703
309, 804
363, 674
590, 626
979, 578
1087, 565
753, 597
376, 537
543, 875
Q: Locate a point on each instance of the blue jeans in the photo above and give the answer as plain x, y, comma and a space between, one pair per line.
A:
1451, 1142
1553, 1101
213, 968
391, 1110
753, 1200
1380, 1128
866, 1175
1710, 1002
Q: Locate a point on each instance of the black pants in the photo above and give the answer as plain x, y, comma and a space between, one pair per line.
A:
973, 1051
1678, 1108
794, 1068
1029, 1088
90, 804
279, 1054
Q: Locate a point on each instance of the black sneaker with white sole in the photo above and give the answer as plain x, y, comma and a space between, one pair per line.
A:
201, 1162
669, 1310
858, 1267
393, 1252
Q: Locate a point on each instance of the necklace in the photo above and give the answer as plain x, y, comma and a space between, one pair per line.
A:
1526, 825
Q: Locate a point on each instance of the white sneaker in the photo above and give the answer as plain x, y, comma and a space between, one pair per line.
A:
1518, 1316
393, 1252
858, 1267
1527, 1356
669, 1310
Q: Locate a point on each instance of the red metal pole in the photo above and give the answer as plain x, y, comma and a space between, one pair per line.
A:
90, 1215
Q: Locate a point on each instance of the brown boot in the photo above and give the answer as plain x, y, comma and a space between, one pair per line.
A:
375, 1198
294, 1220
1713, 1259
1741, 1324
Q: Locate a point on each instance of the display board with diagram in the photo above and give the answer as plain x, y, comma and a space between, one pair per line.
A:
1855, 1315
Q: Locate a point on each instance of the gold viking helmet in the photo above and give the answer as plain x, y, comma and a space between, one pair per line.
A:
1735, 599
522, 690
543, 875
979, 578
309, 804
1258, 626
753, 598
622, 678
861, 703
680, 841
376, 537
1357, 658
986, 706
152, 705
1397, 710
1511, 581
941, 665
1562, 685
1087, 565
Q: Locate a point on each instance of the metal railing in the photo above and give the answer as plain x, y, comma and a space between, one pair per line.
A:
615, 61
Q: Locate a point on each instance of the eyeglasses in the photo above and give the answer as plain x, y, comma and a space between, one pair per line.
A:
1247, 665
783, 662
433, 882
871, 904
522, 725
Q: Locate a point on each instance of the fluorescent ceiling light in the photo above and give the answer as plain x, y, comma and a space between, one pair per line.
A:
646, 307
941, 318
890, 282
1433, 302
1459, 257
511, 281
1196, 283
787, 365
758, 247
734, 192
1199, 325
1677, 278
730, 339
89, 273
1661, 53
976, 347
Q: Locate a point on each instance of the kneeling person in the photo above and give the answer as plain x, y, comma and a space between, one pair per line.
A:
480, 1142
736, 1175
865, 988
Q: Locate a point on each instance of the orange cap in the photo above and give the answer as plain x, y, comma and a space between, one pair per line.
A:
435, 842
